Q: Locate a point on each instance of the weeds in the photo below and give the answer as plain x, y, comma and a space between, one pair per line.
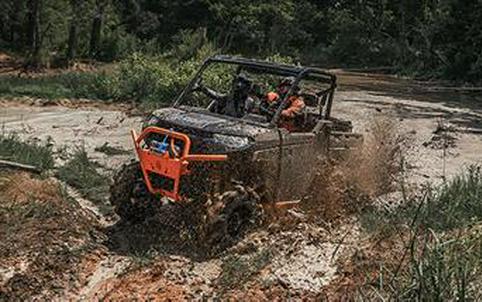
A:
456, 204
443, 268
443, 254
14, 149
81, 173
143, 259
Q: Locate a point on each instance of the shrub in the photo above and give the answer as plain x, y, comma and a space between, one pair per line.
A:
151, 79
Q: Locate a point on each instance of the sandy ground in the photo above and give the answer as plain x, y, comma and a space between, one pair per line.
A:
296, 261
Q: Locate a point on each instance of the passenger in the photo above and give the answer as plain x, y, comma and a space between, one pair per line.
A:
293, 109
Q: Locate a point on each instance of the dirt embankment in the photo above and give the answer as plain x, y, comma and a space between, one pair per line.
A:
55, 247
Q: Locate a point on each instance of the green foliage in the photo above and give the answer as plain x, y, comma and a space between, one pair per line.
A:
443, 268
139, 77
12, 148
81, 173
424, 38
143, 78
443, 256
456, 204
67, 85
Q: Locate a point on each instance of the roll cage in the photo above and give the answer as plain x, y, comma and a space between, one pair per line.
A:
324, 98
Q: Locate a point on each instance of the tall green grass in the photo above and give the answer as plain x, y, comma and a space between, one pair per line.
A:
81, 173
12, 148
442, 260
443, 267
66, 85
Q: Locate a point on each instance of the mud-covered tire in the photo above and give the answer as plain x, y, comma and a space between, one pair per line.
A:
241, 212
129, 195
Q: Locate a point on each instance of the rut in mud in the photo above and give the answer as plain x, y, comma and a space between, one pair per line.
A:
297, 254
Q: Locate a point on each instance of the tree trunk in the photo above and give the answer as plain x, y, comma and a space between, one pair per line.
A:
16, 34
97, 27
73, 32
72, 42
33, 32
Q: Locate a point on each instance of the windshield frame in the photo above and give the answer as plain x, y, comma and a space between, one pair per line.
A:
298, 72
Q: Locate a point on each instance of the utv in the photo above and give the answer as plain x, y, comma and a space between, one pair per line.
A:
213, 171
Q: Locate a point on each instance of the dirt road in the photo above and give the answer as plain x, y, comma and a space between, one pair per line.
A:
443, 131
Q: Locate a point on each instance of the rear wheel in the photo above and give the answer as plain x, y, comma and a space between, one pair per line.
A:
129, 195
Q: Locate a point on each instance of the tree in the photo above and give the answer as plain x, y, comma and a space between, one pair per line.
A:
34, 37
97, 20
73, 30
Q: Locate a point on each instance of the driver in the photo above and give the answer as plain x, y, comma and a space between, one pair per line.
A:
293, 108
236, 104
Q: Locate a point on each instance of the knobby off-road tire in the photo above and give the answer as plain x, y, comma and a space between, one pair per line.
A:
129, 195
241, 212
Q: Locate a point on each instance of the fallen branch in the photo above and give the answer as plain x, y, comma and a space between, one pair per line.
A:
19, 166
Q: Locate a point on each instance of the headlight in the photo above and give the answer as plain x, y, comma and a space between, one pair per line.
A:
231, 142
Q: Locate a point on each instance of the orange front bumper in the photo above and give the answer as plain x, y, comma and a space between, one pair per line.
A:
169, 166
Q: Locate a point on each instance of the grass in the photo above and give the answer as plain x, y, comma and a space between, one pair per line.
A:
444, 267
456, 204
87, 85
442, 239
81, 173
12, 148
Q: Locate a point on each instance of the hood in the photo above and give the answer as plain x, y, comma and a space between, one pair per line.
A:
200, 120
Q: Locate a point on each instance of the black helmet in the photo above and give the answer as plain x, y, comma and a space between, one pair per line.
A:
242, 82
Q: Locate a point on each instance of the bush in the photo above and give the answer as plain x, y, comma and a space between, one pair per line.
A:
100, 86
141, 78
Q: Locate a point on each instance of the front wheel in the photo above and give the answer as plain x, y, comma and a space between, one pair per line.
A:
240, 213
129, 195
